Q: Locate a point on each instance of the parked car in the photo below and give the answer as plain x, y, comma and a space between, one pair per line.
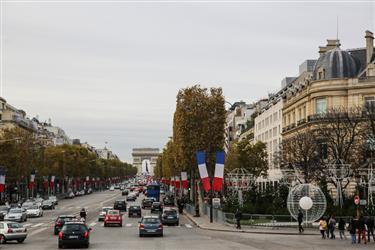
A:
134, 211
53, 199
150, 225
156, 207
34, 211
170, 217
74, 234
147, 203
89, 191
113, 217
12, 231
120, 205
48, 204
3, 211
103, 213
125, 192
60, 221
69, 195
112, 188
16, 214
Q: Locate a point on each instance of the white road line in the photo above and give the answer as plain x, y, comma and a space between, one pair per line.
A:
188, 226
37, 225
37, 231
129, 225
92, 224
27, 225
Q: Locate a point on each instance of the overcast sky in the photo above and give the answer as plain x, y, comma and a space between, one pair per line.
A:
111, 71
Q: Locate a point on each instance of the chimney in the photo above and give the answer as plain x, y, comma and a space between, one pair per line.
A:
369, 46
331, 44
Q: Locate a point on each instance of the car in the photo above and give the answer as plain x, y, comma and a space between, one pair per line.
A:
150, 225
120, 205
147, 203
60, 221
112, 188
113, 217
125, 192
117, 186
48, 204
27, 204
134, 211
79, 193
74, 233
16, 214
131, 197
170, 217
122, 187
53, 199
162, 191
156, 207
103, 213
38, 201
89, 191
34, 211
69, 195
12, 231
3, 211
168, 201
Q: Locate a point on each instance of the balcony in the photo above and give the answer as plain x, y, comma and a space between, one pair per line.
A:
301, 121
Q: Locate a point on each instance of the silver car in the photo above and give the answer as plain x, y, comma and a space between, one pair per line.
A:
16, 214
34, 211
12, 231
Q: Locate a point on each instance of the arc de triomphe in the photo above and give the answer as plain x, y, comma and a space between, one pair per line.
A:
141, 154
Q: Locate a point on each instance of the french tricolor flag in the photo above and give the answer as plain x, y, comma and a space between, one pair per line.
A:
219, 171
32, 180
2, 180
184, 180
52, 182
201, 160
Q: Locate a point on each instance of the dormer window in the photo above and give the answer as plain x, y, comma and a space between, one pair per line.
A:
321, 74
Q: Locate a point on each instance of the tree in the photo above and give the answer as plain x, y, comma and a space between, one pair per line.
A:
244, 154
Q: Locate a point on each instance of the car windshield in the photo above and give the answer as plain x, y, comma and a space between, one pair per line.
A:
156, 204
14, 225
74, 228
66, 218
15, 211
170, 212
105, 209
113, 212
34, 207
47, 202
4, 208
120, 202
135, 207
151, 221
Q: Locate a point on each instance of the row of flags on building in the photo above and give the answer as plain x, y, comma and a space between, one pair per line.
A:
217, 184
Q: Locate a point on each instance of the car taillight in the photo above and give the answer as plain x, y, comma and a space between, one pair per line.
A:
86, 234
60, 235
59, 223
141, 226
161, 226
10, 230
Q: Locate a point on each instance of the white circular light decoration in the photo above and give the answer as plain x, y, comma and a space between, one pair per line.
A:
305, 203
308, 196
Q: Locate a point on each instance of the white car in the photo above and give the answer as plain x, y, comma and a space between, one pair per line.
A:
112, 188
103, 213
53, 199
12, 231
34, 211
16, 214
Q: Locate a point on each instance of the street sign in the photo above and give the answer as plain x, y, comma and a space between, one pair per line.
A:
362, 202
216, 202
356, 200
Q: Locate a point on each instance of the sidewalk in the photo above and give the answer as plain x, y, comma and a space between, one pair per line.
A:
203, 222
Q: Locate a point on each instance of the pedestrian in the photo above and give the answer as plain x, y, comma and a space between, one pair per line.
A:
327, 228
362, 230
300, 220
352, 229
342, 229
322, 227
331, 226
370, 228
238, 216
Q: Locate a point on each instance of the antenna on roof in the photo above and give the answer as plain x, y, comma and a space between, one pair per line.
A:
337, 29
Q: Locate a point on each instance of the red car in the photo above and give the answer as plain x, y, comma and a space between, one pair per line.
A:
113, 217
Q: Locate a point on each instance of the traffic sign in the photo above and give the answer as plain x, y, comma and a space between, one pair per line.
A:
362, 202
356, 200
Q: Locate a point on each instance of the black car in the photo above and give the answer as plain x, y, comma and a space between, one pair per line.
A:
168, 201
147, 202
60, 221
120, 205
131, 197
170, 217
125, 192
156, 207
135, 211
3, 211
74, 234
48, 204
150, 225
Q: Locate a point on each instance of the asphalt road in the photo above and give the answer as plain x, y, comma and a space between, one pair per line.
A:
185, 236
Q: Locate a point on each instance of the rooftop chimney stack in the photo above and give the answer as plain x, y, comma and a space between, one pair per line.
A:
369, 46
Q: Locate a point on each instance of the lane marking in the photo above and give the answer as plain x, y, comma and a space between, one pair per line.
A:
37, 231
92, 224
27, 225
37, 225
129, 225
188, 226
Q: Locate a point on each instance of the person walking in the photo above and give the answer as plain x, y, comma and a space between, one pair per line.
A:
342, 229
327, 228
238, 216
331, 227
300, 220
370, 228
362, 230
322, 227
352, 228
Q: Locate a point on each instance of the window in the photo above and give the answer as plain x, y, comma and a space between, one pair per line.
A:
304, 111
370, 103
321, 105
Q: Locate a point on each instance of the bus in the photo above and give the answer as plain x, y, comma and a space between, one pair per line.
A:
153, 190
